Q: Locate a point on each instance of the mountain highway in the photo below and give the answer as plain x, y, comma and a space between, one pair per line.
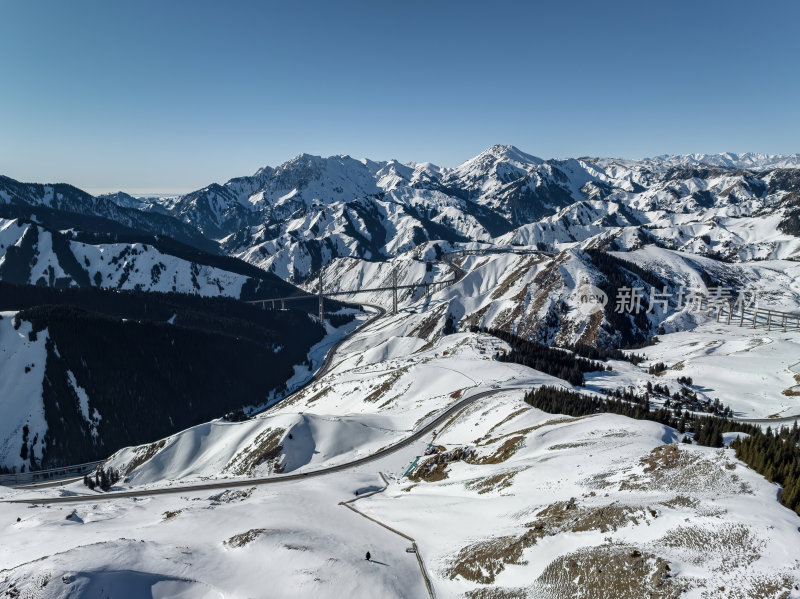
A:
276, 479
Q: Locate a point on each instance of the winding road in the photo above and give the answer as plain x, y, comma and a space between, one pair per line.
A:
276, 479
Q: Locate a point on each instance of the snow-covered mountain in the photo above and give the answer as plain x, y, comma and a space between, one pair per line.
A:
503, 499
144, 203
747, 160
31, 254
25, 199
358, 218
538, 296
311, 210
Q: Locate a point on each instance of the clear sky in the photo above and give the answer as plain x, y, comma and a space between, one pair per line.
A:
168, 95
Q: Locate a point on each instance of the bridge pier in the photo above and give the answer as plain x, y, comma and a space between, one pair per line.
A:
394, 291
321, 305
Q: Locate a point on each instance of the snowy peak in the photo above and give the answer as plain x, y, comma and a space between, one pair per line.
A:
500, 153
504, 162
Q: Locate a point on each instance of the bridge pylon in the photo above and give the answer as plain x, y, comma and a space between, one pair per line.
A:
319, 294
394, 291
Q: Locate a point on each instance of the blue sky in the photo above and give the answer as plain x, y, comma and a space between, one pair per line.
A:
172, 95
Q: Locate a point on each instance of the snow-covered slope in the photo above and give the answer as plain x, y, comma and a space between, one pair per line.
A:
540, 298
522, 503
383, 387
31, 254
24, 199
393, 377
22, 363
602, 506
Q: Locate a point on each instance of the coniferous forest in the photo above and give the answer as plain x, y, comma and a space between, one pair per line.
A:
561, 363
151, 364
773, 454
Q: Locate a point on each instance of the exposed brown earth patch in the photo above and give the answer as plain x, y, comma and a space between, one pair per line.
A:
388, 382
245, 538
589, 335
506, 449
568, 516
669, 468
484, 560
680, 501
428, 326
497, 482
793, 391
319, 395
496, 593
144, 454
508, 418
559, 446
735, 545
474, 319
618, 571
513, 278
265, 448
435, 467
487, 440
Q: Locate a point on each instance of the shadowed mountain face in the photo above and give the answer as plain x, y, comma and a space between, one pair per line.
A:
114, 334
109, 369
23, 199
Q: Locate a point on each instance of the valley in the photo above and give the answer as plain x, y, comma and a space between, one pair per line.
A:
239, 429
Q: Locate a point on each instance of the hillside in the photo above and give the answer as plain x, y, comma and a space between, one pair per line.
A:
501, 499
538, 297
91, 371
33, 254
51, 200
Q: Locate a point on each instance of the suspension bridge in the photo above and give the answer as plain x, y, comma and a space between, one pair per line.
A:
448, 259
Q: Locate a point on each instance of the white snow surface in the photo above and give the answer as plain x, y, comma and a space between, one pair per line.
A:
704, 518
22, 364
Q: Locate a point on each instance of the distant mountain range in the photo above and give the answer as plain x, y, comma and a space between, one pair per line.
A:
310, 210
747, 160
305, 213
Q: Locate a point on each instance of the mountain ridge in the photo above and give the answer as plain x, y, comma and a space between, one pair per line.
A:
297, 217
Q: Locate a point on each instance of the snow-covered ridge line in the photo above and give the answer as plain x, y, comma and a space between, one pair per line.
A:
311, 210
746, 160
